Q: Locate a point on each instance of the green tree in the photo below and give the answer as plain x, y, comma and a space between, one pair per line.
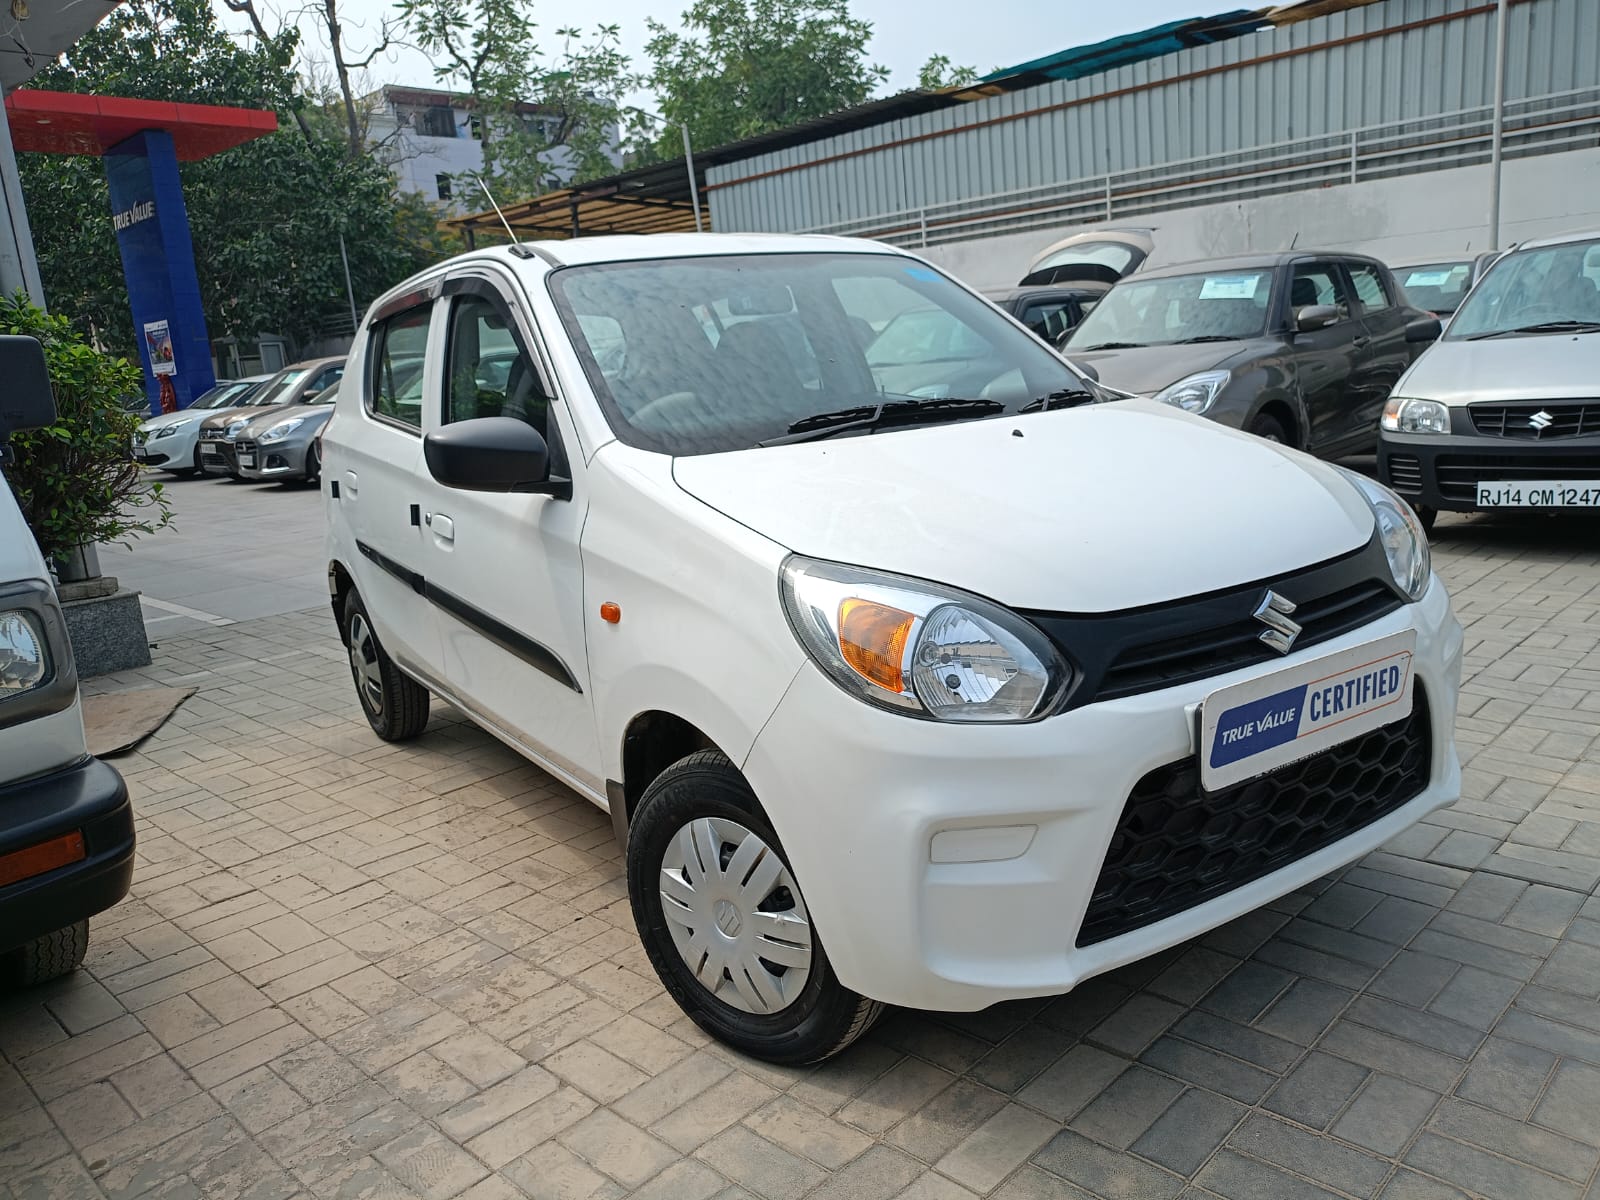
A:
940, 72
266, 216
743, 67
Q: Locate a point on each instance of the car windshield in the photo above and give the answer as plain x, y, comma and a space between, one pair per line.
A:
1206, 306
1438, 287
224, 395
698, 355
326, 396
1544, 289
280, 387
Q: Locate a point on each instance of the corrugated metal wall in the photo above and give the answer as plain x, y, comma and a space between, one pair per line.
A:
1181, 106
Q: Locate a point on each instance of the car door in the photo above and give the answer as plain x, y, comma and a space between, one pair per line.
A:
1380, 363
377, 473
503, 571
1325, 358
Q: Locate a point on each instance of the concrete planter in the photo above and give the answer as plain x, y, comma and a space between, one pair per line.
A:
105, 625
82, 563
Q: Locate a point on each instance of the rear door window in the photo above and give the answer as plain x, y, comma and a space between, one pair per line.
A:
1369, 285
394, 388
1319, 284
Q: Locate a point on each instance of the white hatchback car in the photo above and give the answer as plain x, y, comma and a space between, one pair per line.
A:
924, 682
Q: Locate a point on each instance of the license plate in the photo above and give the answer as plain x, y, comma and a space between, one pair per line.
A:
1262, 724
247, 460
1552, 493
140, 453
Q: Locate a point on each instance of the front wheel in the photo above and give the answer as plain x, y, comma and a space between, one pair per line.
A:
1427, 516
313, 464
1269, 428
396, 706
49, 957
724, 922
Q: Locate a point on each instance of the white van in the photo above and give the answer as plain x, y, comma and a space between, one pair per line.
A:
66, 826
919, 679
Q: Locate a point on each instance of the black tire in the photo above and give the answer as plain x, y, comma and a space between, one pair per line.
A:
51, 956
1427, 516
313, 464
825, 1017
396, 705
1269, 428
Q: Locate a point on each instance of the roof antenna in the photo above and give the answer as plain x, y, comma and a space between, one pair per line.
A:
509, 232
1294, 240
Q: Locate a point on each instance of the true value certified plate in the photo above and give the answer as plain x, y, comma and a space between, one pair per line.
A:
1539, 493
1261, 724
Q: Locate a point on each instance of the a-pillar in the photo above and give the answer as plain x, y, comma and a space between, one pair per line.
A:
152, 227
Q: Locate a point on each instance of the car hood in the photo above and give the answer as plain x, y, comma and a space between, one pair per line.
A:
1555, 366
229, 415
1148, 369
1092, 509
272, 415
151, 424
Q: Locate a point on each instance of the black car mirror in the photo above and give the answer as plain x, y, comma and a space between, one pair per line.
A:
1423, 329
1315, 316
26, 402
490, 454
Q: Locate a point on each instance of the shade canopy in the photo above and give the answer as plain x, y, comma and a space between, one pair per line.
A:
73, 123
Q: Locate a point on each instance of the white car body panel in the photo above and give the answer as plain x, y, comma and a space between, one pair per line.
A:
1059, 518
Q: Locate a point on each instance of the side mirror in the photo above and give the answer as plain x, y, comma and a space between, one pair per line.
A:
489, 454
1086, 370
1423, 329
26, 401
1315, 316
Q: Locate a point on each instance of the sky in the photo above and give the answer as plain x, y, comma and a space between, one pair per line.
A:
985, 34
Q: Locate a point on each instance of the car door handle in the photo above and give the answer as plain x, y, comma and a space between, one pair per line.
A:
352, 485
1359, 342
443, 527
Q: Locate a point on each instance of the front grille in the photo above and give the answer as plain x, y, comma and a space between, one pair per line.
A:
242, 447
1572, 419
1176, 846
1405, 474
1142, 650
1460, 474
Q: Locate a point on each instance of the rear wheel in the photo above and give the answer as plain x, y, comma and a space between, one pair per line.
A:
1269, 428
49, 957
724, 922
396, 705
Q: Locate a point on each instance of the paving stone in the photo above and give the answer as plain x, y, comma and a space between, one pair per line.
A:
1490, 1175
830, 1143
1386, 1115
996, 1148
939, 1125
751, 1160
1306, 1154
1105, 1172
1240, 1178
1190, 1131
880, 1174
1537, 1147
1572, 1102
902, 1090
1127, 1107
713, 1110
1208, 1069
1475, 998
1072, 1081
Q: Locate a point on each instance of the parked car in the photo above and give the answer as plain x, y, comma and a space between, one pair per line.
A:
66, 827
282, 443
1504, 411
171, 441
1299, 348
1097, 255
1052, 311
1440, 286
298, 383
892, 700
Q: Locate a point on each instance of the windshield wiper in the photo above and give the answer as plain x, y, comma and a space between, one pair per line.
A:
1112, 346
1540, 327
1206, 337
877, 416
1060, 399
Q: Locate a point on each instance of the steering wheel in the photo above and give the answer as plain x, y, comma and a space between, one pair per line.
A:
669, 409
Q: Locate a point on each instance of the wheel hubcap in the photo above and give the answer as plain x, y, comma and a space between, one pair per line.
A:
364, 663
736, 915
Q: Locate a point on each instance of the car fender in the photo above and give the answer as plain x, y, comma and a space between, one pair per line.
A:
1272, 382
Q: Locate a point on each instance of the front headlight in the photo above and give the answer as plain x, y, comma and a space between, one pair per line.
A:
1405, 543
920, 648
1195, 394
24, 661
169, 430
283, 429
1403, 414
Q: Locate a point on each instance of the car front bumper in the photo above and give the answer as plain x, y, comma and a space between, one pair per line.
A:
284, 459
175, 452
1443, 470
217, 457
951, 867
89, 799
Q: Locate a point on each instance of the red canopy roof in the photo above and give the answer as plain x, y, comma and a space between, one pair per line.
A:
73, 123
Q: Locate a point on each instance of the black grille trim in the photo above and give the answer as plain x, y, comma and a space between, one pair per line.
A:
1176, 847
1566, 419
1460, 474
1146, 649
1405, 474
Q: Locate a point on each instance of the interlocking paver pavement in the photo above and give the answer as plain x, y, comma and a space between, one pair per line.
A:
356, 970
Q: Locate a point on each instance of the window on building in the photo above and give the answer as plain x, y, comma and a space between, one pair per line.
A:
475, 126
436, 121
441, 184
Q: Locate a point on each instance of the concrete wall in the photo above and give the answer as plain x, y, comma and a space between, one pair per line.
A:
1411, 217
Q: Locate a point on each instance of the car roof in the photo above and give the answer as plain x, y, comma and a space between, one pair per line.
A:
1460, 260
1245, 262
311, 363
625, 247
1560, 239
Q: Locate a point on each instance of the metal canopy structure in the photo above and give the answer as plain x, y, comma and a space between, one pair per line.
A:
653, 199
75, 123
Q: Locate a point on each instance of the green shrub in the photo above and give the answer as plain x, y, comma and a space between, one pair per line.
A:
75, 479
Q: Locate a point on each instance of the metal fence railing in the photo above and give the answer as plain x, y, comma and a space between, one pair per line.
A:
1544, 124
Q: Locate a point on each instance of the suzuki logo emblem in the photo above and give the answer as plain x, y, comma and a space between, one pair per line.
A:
1280, 631
1541, 420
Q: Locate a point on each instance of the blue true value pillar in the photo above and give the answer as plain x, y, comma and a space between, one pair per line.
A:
158, 260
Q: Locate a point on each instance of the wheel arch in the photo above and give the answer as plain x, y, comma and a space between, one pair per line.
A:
653, 740
340, 584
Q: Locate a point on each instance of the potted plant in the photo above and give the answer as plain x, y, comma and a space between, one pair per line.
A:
75, 480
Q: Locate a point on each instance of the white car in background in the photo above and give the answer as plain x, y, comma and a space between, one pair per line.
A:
934, 699
170, 440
